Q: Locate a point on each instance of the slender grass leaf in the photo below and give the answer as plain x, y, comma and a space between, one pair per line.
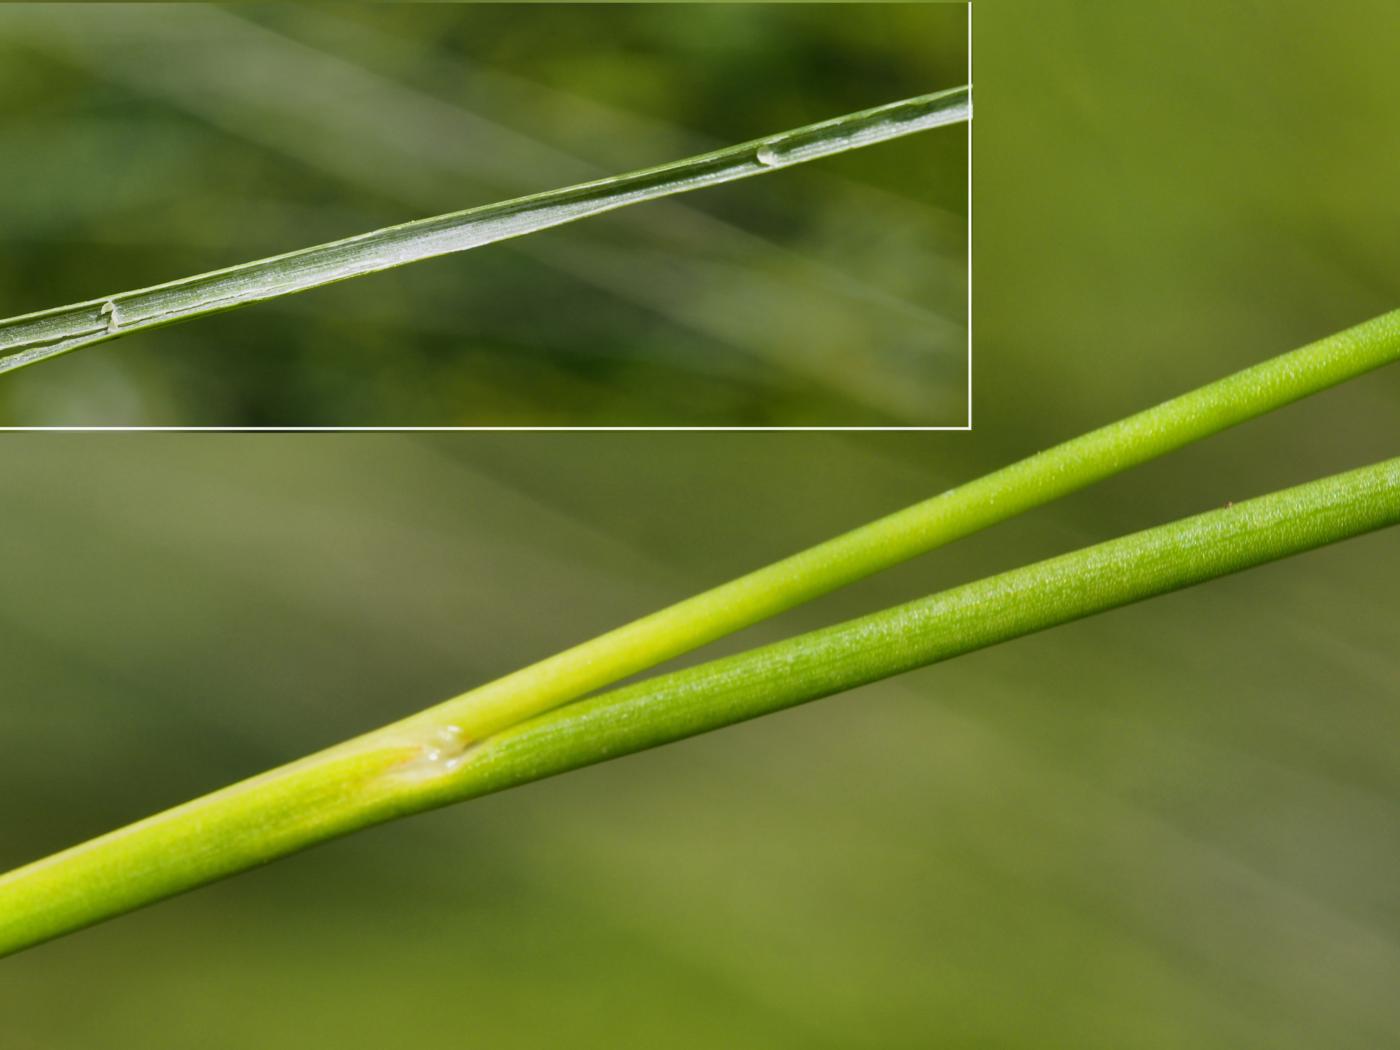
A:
36, 337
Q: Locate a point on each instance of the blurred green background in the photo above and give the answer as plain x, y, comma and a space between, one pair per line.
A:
1174, 825
145, 143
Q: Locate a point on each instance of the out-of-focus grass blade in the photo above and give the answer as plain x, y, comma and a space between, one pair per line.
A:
36, 337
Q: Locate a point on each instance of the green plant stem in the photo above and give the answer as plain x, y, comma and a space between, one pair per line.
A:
922, 632
881, 544
325, 795
394, 772
343, 788
36, 337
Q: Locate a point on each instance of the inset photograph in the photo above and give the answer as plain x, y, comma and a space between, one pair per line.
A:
277, 216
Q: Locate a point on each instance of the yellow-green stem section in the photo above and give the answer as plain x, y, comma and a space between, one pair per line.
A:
391, 773
228, 831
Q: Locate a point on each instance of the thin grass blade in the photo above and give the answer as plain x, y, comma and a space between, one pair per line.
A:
36, 337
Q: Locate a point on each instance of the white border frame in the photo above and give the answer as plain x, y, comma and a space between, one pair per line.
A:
176, 429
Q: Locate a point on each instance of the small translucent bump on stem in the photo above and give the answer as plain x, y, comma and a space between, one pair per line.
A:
767, 155
444, 751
